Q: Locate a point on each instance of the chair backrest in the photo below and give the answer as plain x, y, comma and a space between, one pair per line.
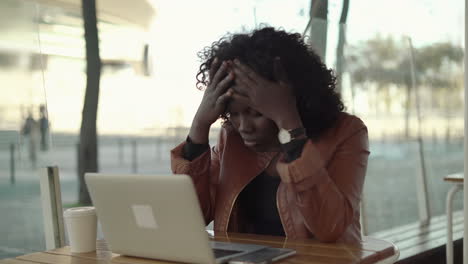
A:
52, 207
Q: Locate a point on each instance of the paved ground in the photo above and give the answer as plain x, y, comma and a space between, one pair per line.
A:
390, 191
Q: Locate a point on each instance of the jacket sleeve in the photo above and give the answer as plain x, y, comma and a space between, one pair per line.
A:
328, 194
204, 171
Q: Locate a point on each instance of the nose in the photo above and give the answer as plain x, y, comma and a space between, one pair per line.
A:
245, 124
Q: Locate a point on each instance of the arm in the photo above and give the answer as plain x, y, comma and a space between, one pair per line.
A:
328, 194
192, 160
204, 171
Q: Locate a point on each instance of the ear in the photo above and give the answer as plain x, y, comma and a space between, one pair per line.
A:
279, 71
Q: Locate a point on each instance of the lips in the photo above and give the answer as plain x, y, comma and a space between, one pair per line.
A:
250, 142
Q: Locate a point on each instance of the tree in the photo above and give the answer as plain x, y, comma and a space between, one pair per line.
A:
383, 62
88, 151
440, 70
377, 63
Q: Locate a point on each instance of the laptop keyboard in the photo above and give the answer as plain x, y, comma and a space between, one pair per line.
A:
219, 253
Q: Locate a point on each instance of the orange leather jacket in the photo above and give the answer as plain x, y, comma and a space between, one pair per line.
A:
319, 193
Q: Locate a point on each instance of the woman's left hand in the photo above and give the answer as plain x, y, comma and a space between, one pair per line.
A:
274, 100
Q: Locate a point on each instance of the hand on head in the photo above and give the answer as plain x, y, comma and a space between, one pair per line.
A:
216, 96
234, 80
273, 99
258, 79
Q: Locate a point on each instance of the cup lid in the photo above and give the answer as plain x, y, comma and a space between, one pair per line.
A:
79, 211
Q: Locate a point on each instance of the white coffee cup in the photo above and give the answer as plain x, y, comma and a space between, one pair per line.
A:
81, 224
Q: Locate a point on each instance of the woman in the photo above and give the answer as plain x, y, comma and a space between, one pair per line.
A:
288, 161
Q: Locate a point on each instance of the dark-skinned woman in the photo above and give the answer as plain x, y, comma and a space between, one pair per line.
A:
289, 161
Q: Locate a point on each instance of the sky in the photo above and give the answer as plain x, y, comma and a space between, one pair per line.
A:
131, 104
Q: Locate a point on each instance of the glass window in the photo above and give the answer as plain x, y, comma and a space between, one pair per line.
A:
23, 129
403, 78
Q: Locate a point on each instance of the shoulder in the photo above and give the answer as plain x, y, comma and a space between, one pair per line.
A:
349, 122
346, 126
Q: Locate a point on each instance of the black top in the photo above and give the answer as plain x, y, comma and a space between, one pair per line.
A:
258, 199
258, 202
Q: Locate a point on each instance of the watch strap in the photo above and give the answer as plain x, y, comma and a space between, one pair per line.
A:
293, 149
297, 132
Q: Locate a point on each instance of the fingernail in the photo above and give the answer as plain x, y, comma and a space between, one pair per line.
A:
215, 60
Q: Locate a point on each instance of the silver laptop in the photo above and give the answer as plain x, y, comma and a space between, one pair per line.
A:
158, 217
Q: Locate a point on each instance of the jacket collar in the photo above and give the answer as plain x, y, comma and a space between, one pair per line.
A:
253, 163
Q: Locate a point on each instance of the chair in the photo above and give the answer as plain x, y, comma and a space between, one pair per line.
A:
457, 179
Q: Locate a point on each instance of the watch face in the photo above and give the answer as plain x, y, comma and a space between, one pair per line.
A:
284, 136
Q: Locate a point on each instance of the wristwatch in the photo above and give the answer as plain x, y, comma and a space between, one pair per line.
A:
286, 136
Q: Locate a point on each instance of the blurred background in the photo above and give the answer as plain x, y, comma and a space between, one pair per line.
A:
400, 68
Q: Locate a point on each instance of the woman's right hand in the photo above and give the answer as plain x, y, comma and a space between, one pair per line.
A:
213, 103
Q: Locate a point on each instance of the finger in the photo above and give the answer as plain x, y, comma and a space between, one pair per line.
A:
246, 70
241, 88
224, 84
214, 67
223, 99
279, 71
241, 99
245, 83
219, 74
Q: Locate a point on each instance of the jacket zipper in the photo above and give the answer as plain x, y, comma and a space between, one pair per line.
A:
243, 187
279, 211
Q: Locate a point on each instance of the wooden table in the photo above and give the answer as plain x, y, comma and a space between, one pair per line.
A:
457, 179
370, 251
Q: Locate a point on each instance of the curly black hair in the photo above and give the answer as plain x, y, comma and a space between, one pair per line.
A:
313, 83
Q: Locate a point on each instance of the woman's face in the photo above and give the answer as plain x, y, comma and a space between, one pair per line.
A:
258, 132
